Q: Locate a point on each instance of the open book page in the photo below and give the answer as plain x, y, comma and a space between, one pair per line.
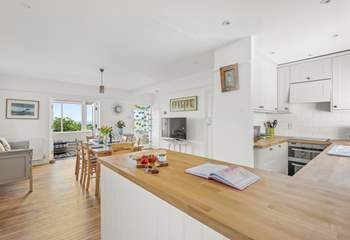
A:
236, 177
204, 170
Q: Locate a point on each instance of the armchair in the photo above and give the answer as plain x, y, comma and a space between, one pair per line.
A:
16, 165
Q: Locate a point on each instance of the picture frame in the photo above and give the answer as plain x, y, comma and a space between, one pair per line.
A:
229, 78
22, 109
184, 104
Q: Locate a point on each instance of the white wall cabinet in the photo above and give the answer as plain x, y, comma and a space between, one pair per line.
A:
341, 83
264, 85
311, 71
309, 92
274, 158
283, 79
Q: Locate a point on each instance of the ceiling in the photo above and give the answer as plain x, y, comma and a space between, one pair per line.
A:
140, 43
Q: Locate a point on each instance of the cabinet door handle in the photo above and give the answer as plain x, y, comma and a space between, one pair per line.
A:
261, 106
335, 106
308, 78
286, 108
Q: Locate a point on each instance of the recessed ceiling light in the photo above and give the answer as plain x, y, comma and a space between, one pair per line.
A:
335, 35
25, 5
325, 1
226, 23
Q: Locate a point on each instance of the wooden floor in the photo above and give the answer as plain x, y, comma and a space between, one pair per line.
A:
56, 209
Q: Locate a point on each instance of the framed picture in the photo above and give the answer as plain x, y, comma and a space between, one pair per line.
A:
184, 104
229, 78
22, 109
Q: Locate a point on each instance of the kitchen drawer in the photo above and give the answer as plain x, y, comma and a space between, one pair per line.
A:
308, 92
311, 71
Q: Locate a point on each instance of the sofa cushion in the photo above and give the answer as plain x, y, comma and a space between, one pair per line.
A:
2, 149
5, 144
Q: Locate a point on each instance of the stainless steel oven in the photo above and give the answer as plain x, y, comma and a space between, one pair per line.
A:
300, 154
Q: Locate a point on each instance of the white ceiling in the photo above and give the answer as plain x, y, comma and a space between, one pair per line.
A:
140, 43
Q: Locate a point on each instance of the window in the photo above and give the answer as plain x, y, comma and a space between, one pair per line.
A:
73, 117
89, 116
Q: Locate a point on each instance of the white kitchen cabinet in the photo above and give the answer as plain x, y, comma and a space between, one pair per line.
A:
283, 79
130, 212
309, 92
264, 85
311, 71
274, 158
341, 83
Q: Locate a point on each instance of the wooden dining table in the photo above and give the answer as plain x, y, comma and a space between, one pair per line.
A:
100, 152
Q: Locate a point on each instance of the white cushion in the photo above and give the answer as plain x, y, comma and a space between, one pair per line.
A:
5, 144
2, 149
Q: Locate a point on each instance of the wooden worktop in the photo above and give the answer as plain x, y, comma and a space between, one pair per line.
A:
328, 170
277, 207
264, 143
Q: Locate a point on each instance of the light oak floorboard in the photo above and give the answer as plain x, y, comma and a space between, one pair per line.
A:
58, 208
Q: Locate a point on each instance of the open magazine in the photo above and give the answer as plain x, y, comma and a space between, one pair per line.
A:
236, 177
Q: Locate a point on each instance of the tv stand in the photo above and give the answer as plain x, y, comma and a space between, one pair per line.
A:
177, 144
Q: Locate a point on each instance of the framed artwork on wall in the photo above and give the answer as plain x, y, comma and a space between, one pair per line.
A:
184, 104
22, 109
229, 78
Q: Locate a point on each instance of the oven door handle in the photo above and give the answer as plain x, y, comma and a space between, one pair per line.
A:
297, 165
306, 150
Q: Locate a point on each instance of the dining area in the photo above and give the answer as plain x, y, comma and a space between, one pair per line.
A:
87, 153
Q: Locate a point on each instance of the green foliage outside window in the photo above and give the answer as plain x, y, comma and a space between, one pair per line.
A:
69, 125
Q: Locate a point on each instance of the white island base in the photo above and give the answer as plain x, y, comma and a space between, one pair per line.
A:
129, 212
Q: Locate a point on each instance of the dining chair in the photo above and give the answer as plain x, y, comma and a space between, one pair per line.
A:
119, 148
88, 138
79, 158
89, 166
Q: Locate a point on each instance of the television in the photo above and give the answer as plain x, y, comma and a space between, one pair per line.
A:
174, 128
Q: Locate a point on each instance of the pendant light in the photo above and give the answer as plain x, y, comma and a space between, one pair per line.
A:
102, 87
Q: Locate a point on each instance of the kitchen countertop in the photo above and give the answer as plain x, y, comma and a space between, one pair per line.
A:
264, 143
328, 170
276, 207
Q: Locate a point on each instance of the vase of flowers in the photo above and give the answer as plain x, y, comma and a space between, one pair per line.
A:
120, 125
105, 131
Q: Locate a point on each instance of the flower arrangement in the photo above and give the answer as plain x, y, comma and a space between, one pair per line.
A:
104, 130
120, 124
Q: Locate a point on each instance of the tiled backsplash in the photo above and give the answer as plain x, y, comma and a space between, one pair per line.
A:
309, 120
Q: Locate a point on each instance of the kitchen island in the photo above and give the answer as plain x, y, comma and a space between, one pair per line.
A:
175, 205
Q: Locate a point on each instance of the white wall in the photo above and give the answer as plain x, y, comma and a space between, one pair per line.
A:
197, 128
232, 115
37, 131
311, 120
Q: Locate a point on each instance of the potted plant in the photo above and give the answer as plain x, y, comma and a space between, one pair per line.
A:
120, 125
105, 131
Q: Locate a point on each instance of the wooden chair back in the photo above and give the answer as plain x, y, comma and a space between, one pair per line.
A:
79, 157
118, 148
88, 138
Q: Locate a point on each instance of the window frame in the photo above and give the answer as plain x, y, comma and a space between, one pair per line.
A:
83, 104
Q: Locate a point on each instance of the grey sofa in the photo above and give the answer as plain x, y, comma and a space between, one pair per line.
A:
16, 165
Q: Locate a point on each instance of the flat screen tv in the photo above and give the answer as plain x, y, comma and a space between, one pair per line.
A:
174, 128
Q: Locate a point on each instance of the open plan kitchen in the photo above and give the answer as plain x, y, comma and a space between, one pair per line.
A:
175, 120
